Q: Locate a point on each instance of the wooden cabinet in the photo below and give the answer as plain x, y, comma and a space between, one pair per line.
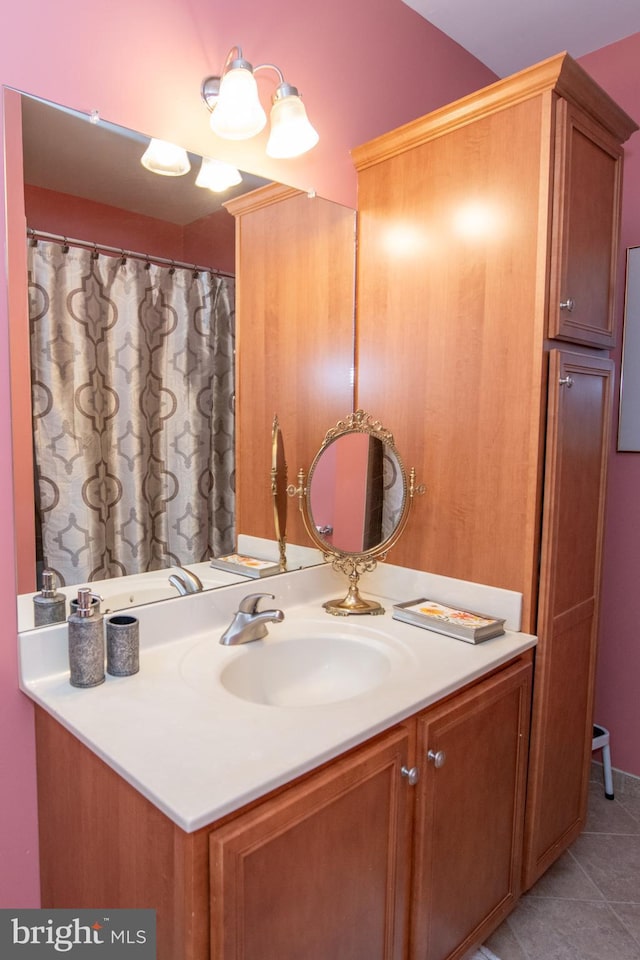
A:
320, 870
474, 223
585, 229
469, 814
103, 844
322, 867
577, 450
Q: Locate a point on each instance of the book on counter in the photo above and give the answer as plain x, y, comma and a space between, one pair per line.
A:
461, 624
247, 566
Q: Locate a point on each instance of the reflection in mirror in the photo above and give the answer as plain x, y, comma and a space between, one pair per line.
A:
356, 493
355, 502
132, 377
155, 400
279, 490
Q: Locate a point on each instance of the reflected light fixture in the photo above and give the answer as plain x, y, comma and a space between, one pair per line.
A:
217, 175
166, 159
237, 114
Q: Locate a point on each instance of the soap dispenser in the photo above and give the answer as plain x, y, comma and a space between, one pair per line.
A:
86, 643
49, 606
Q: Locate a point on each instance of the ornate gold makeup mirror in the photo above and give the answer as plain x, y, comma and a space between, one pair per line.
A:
355, 502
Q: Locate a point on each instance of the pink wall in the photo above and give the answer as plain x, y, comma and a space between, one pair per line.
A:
141, 66
208, 242
617, 69
339, 491
87, 220
323, 498
351, 480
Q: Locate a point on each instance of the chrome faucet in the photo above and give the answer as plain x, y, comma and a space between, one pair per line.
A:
185, 582
249, 623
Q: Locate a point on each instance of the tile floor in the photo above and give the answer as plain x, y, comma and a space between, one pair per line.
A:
587, 905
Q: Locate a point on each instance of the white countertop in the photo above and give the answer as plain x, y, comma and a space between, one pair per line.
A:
197, 751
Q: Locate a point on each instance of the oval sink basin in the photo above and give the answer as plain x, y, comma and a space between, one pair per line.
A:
302, 673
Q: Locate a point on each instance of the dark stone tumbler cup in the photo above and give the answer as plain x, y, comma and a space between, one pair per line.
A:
123, 645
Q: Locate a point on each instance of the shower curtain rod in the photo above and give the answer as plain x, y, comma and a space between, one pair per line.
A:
35, 235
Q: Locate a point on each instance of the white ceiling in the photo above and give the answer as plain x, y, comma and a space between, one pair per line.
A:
63, 151
509, 35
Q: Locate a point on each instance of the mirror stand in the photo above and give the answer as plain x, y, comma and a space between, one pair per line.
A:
353, 568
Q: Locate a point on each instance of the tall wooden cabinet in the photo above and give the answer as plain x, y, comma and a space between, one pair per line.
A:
488, 235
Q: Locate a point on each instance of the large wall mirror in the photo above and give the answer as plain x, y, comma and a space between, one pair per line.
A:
83, 180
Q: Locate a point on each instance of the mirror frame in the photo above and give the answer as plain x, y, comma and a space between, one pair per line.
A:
279, 490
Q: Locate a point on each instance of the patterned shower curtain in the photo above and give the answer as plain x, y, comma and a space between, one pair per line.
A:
133, 382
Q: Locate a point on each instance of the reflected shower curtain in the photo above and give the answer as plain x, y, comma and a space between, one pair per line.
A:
133, 382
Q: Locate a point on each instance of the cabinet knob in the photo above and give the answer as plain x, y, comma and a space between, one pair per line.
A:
566, 382
412, 774
567, 304
437, 757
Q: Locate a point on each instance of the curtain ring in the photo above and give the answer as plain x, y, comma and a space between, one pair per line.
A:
196, 272
94, 252
147, 265
65, 245
123, 259
172, 268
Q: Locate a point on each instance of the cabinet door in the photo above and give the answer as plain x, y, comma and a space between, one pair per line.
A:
578, 426
585, 233
468, 824
320, 870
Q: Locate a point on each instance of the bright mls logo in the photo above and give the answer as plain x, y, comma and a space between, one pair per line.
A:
82, 934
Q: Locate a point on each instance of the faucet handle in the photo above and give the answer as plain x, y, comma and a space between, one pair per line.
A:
249, 604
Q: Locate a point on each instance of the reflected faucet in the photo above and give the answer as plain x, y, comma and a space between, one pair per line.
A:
185, 582
249, 623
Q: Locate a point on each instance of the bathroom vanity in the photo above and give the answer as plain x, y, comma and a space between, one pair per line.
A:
377, 818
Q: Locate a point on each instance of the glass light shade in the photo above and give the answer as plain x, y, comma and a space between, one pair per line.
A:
238, 114
217, 176
166, 159
291, 133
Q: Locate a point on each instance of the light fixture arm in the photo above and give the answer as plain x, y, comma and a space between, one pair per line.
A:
235, 53
270, 66
283, 89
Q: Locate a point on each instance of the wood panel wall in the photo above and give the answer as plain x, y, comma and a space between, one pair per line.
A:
295, 259
451, 269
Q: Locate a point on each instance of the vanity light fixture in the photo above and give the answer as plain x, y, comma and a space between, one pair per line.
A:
237, 114
166, 159
217, 175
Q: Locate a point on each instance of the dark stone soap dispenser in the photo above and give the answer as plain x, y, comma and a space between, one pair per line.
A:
49, 606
